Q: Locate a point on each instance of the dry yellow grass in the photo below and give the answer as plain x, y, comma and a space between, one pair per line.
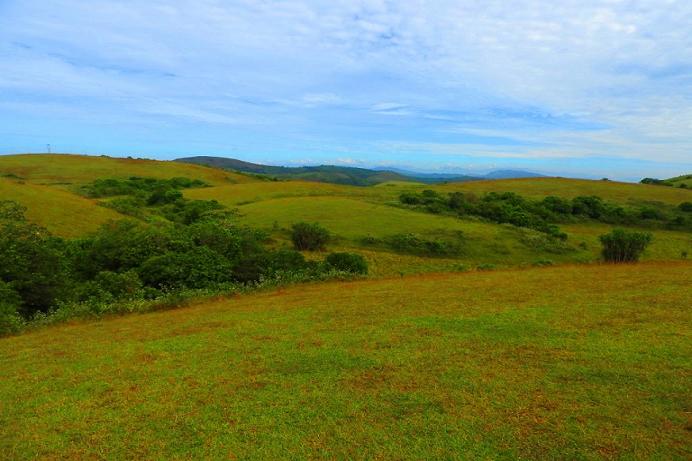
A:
80, 169
61, 212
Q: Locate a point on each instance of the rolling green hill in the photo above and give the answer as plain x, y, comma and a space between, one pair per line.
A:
56, 209
63, 169
326, 173
47, 185
681, 181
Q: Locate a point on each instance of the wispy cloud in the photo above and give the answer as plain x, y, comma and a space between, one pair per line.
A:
352, 78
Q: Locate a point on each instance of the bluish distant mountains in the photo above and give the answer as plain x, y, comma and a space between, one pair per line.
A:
346, 174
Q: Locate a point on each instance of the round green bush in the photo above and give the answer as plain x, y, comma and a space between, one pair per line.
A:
347, 262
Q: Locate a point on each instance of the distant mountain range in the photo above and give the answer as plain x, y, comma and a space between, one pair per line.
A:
346, 174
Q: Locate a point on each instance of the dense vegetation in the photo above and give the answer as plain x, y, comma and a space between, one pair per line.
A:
188, 245
544, 215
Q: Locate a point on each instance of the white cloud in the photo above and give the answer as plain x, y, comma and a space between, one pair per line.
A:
622, 67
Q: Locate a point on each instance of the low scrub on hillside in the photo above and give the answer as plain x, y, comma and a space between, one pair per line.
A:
136, 260
138, 186
544, 215
420, 245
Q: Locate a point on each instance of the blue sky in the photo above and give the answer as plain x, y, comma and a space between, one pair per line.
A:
597, 88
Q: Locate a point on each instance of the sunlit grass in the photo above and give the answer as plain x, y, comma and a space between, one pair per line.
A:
583, 362
60, 211
80, 169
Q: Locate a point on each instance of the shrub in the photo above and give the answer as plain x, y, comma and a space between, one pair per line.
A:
591, 206
10, 321
651, 213
119, 285
197, 268
414, 244
251, 267
485, 267
162, 196
543, 262
347, 262
308, 236
686, 207
287, 261
557, 205
31, 260
654, 181
122, 245
621, 246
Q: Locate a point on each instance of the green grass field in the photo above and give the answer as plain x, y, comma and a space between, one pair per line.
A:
572, 362
60, 211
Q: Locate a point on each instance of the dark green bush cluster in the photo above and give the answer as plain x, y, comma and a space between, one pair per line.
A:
621, 246
136, 185
542, 215
309, 236
143, 197
131, 259
506, 207
655, 182
347, 262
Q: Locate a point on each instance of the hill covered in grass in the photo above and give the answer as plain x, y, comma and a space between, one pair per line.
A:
361, 219
323, 173
66, 170
684, 181
577, 362
332, 173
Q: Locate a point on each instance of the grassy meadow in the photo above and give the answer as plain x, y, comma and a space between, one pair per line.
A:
471, 354
496, 365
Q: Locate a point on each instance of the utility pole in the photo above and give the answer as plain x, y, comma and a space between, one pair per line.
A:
48, 148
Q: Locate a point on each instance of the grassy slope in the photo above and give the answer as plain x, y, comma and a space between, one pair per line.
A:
683, 179
59, 169
351, 212
45, 183
479, 366
608, 190
60, 211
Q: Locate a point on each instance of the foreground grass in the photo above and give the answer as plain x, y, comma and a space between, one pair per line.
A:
568, 362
